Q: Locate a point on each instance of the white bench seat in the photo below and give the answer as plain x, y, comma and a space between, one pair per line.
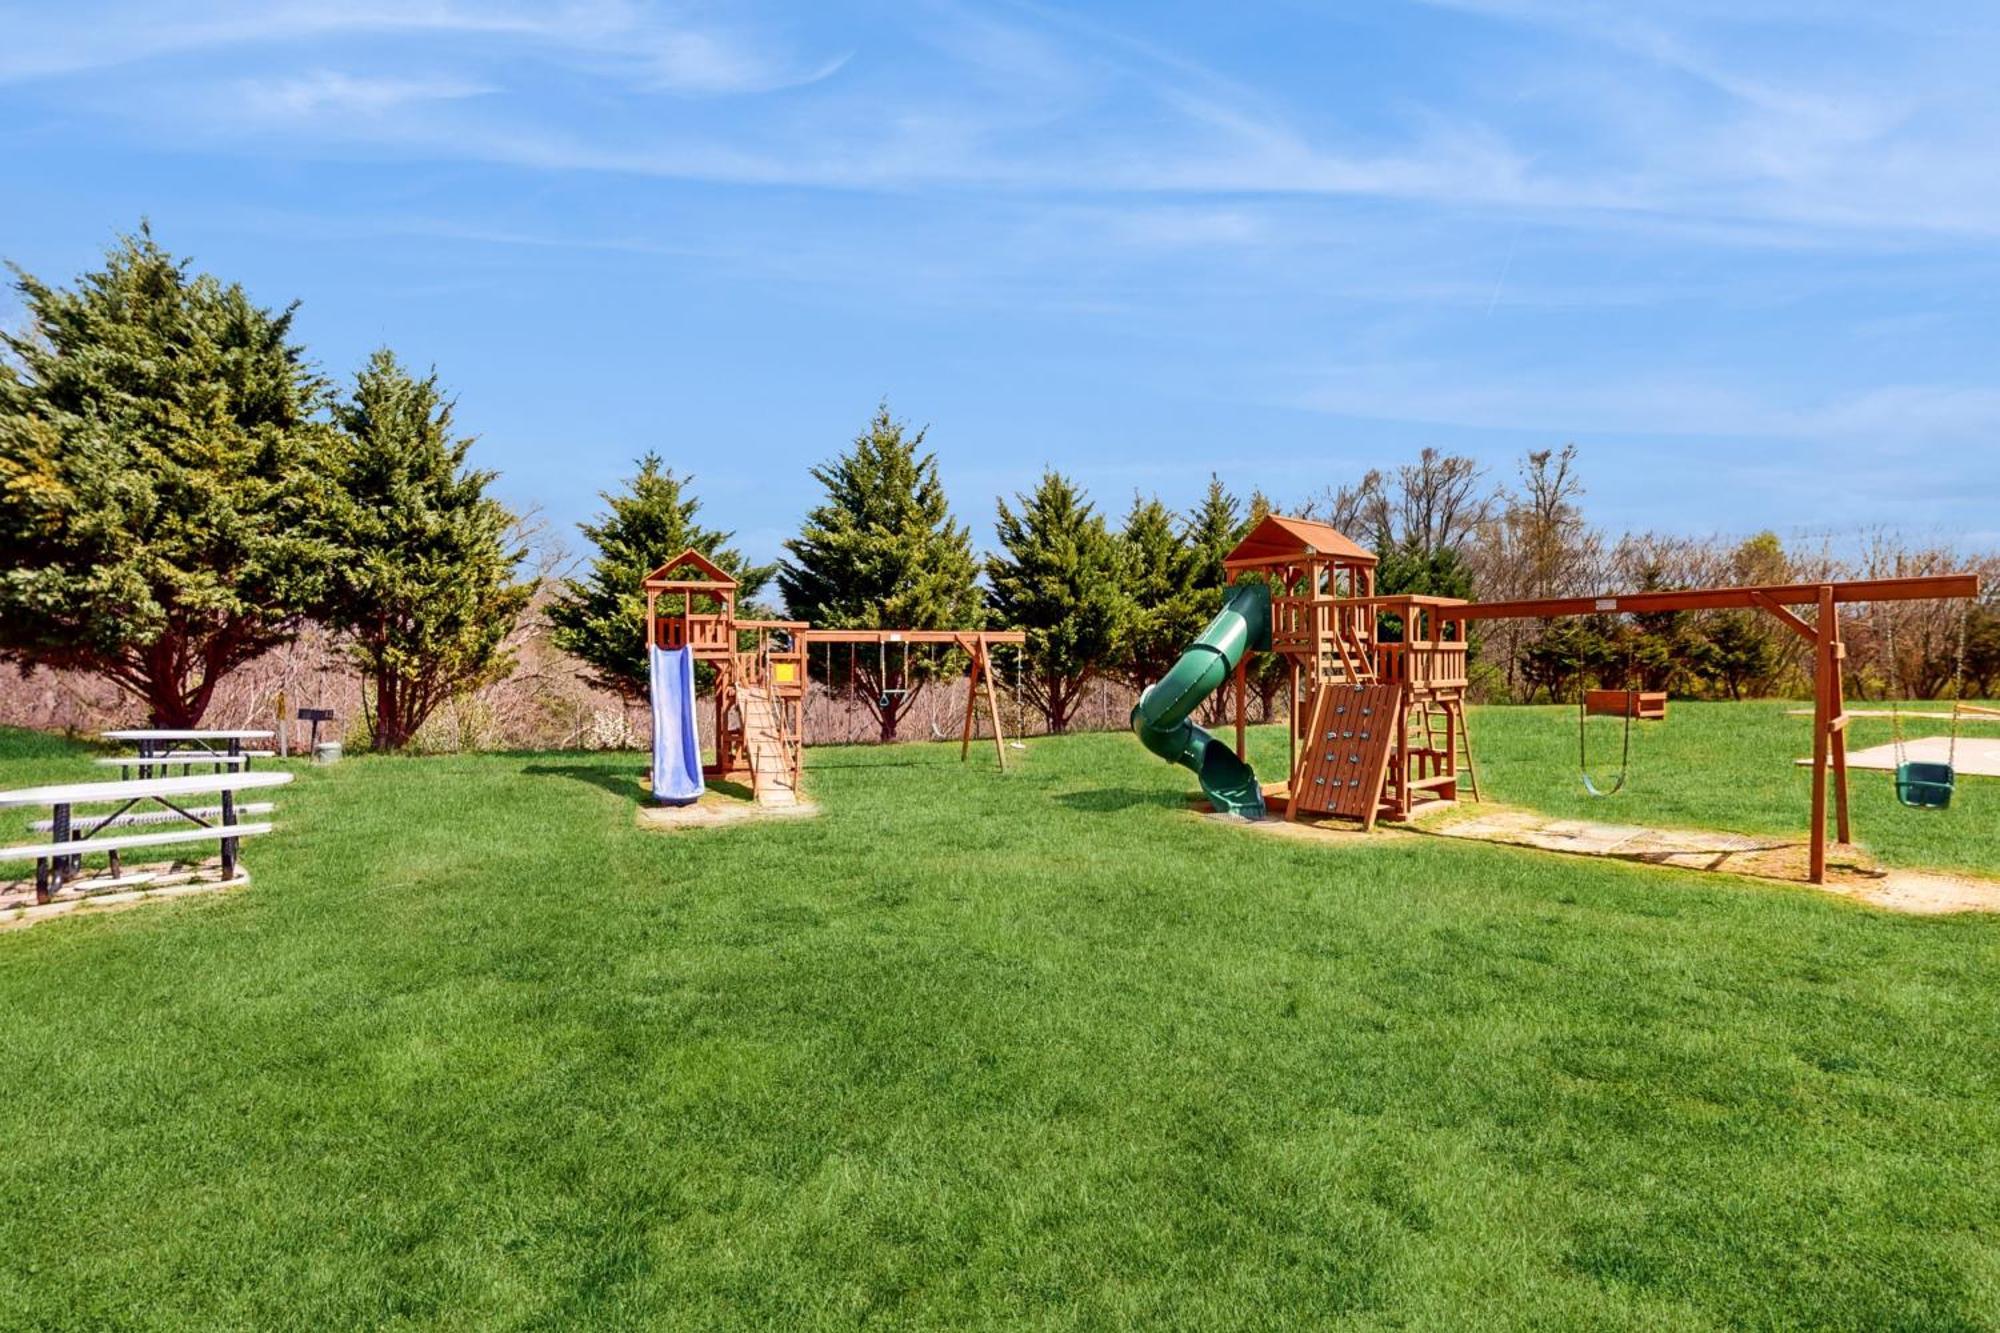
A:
198, 784
40, 851
141, 817
189, 734
178, 757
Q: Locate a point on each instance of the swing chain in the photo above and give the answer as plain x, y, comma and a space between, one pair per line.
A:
1958, 685
1583, 734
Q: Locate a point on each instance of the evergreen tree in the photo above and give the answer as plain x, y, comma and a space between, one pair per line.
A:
1660, 650
1746, 649
1060, 580
424, 586
1269, 673
601, 618
1441, 572
160, 473
1563, 655
1740, 652
1155, 570
882, 551
1214, 527
1982, 651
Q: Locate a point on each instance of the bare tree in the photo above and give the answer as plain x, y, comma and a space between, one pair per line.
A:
1439, 503
1533, 542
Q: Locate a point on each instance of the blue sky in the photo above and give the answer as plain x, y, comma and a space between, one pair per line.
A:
1742, 254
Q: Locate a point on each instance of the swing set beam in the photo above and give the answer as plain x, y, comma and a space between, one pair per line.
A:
1765, 597
959, 638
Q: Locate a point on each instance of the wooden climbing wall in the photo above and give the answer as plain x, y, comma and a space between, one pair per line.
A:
1344, 759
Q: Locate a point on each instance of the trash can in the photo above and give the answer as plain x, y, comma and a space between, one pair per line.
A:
326, 752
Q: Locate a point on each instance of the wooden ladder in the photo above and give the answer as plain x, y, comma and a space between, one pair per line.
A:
1442, 722
773, 780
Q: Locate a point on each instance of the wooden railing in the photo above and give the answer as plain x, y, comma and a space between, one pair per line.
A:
1337, 634
1341, 635
1433, 665
709, 635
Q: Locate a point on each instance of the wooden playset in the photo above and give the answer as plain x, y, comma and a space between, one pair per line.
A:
761, 672
1376, 684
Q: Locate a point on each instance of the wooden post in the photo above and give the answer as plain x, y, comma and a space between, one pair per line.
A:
1451, 747
1837, 718
971, 698
1293, 707
993, 706
1823, 712
1241, 701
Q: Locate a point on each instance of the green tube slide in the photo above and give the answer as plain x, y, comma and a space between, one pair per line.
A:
1161, 715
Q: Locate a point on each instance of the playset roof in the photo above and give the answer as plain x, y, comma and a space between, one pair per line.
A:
1278, 539
711, 575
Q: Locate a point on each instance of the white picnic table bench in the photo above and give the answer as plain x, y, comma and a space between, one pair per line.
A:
184, 747
75, 834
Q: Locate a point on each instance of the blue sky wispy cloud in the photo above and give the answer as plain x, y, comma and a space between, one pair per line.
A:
1742, 254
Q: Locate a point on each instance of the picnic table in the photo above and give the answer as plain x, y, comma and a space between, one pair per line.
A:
73, 835
160, 747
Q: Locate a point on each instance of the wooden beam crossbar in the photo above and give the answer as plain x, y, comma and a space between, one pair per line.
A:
1788, 617
1920, 588
961, 638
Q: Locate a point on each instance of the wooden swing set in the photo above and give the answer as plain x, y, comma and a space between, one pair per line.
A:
1377, 683
761, 670
892, 685
1822, 632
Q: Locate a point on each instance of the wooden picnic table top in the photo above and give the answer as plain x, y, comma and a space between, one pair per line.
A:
75, 793
185, 734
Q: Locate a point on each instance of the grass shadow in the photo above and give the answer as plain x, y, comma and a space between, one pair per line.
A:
619, 780
1109, 800
821, 765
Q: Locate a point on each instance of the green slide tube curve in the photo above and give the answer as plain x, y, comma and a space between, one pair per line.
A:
1161, 715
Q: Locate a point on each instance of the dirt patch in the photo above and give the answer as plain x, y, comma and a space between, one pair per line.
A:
1851, 872
716, 810
1324, 832
105, 892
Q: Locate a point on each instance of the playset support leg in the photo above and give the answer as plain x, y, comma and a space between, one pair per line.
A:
993, 708
971, 697
1827, 734
1292, 720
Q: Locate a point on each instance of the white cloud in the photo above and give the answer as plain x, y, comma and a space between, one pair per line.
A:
1660, 132
1890, 417
332, 92
648, 51
689, 61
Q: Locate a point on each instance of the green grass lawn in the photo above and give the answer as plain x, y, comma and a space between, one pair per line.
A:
997, 1049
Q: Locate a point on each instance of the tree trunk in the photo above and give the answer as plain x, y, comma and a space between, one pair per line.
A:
392, 727
166, 707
